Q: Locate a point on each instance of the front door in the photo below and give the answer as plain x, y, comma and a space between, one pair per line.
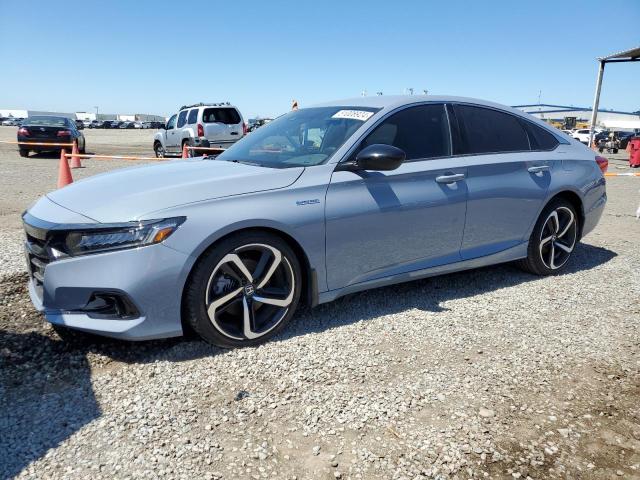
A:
171, 135
385, 223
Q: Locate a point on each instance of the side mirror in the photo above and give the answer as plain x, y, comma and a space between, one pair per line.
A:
378, 157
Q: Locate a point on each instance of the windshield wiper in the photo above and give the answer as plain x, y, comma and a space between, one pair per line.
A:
246, 162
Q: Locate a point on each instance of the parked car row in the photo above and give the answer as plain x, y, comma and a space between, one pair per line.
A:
11, 121
121, 124
582, 135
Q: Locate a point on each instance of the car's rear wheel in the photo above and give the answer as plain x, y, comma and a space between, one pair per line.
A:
244, 290
24, 152
553, 240
159, 149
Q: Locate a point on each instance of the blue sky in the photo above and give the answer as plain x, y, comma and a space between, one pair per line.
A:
153, 56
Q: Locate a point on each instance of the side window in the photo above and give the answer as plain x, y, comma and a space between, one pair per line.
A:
171, 124
182, 118
193, 116
490, 131
422, 132
540, 139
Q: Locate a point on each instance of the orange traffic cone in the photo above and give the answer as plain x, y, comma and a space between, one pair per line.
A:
75, 159
185, 151
64, 173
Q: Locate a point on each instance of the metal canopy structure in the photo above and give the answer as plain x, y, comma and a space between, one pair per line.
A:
632, 55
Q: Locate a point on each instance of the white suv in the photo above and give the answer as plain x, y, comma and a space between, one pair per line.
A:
203, 125
582, 135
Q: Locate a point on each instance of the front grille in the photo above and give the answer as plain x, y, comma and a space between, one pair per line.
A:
37, 255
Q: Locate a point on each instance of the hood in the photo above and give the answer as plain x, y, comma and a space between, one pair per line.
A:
128, 194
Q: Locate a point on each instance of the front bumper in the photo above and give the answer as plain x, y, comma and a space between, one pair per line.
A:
150, 278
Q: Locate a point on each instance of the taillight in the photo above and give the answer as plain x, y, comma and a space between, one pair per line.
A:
200, 130
244, 128
24, 132
63, 133
603, 163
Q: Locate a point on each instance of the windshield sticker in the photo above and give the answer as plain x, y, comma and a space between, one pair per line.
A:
361, 115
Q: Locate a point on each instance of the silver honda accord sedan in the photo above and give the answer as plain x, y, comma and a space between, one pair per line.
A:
322, 202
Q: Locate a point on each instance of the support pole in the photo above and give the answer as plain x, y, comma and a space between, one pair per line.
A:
596, 102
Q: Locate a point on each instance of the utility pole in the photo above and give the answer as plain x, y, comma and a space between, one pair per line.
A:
96, 112
539, 96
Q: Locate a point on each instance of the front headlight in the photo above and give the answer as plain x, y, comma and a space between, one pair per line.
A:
115, 236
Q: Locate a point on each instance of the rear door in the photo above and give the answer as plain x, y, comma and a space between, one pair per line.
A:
222, 124
508, 176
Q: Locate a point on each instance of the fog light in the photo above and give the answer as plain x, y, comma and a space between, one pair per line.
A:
110, 305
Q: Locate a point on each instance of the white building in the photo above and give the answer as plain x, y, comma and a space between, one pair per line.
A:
610, 119
85, 116
12, 113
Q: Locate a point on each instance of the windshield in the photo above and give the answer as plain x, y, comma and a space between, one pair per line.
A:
300, 138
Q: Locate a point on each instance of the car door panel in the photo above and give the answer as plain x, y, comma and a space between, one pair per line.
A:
504, 199
507, 178
385, 223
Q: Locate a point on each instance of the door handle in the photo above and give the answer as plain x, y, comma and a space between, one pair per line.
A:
539, 168
234, 133
450, 178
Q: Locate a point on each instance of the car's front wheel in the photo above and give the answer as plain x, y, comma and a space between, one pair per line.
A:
159, 149
553, 240
24, 152
244, 290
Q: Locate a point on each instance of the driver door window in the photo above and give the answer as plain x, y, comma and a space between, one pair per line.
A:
421, 132
171, 124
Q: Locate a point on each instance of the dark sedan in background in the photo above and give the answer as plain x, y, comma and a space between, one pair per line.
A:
48, 129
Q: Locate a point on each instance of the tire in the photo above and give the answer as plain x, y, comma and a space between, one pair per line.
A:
218, 287
83, 150
552, 243
159, 150
24, 152
615, 150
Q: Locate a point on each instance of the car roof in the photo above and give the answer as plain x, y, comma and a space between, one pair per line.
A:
395, 101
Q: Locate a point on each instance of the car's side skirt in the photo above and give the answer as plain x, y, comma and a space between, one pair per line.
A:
509, 255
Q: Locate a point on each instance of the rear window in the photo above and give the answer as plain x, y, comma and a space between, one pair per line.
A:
182, 118
491, 131
540, 138
229, 116
47, 121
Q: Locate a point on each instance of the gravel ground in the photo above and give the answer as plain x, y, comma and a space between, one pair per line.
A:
491, 373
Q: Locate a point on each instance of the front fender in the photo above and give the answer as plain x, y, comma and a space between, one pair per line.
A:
160, 137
